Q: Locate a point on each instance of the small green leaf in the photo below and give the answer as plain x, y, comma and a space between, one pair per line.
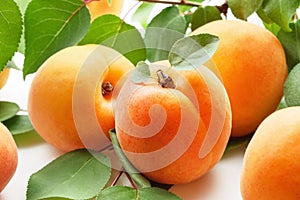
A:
236, 142
117, 193
111, 31
139, 180
8, 110
242, 9
163, 31
274, 28
280, 11
193, 51
141, 73
142, 13
10, 30
292, 87
51, 26
19, 124
156, 193
78, 174
204, 15
282, 104
291, 44
128, 193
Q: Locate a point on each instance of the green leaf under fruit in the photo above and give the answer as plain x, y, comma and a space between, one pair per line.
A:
291, 44
280, 11
111, 31
292, 87
242, 9
204, 15
193, 51
51, 26
78, 174
8, 110
138, 179
236, 142
10, 30
19, 124
141, 73
128, 193
163, 31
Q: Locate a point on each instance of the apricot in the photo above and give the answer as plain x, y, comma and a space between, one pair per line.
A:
101, 7
69, 100
252, 66
271, 167
4, 76
173, 132
8, 156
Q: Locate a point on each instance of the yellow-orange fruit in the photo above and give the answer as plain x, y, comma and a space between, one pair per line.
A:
8, 156
252, 66
174, 136
271, 167
4, 76
68, 92
101, 7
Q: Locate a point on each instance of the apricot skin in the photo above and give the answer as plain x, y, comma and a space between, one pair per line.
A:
271, 167
252, 65
8, 156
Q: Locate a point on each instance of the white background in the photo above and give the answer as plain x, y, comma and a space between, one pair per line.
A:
221, 183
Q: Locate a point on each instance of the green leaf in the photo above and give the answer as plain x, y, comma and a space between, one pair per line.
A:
142, 13
282, 104
111, 31
274, 28
204, 15
51, 26
236, 142
139, 180
291, 44
280, 11
22, 5
156, 193
162, 32
128, 193
19, 124
292, 87
78, 174
117, 193
8, 110
10, 30
141, 73
193, 51
242, 9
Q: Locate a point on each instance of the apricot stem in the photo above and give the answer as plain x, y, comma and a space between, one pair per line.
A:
164, 80
107, 88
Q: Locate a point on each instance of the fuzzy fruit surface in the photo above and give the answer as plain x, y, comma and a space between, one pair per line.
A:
271, 167
173, 135
252, 66
70, 84
8, 156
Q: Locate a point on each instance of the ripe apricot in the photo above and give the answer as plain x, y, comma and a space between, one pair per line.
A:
271, 167
101, 7
70, 90
4, 76
173, 135
8, 156
252, 66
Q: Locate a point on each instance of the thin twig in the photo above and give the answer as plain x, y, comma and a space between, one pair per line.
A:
117, 178
182, 2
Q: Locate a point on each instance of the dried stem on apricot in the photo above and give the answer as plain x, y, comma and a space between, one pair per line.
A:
107, 88
164, 80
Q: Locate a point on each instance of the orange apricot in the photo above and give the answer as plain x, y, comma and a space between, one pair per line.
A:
69, 100
4, 76
173, 132
271, 167
101, 7
8, 156
252, 66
